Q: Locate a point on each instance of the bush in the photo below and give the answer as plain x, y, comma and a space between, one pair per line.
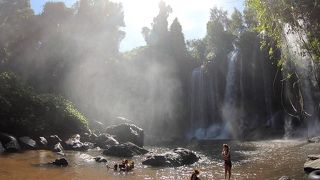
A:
24, 112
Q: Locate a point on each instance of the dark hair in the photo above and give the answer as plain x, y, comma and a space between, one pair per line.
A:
226, 146
196, 171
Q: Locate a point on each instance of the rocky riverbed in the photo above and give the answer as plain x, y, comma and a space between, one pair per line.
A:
251, 160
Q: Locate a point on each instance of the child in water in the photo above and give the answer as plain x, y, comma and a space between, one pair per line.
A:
227, 160
195, 174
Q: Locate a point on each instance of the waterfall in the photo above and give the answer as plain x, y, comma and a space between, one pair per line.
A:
202, 105
197, 99
303, 66
229, 110
288, 128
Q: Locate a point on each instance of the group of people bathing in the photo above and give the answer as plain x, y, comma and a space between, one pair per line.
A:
227, 164
124, 166
127, 165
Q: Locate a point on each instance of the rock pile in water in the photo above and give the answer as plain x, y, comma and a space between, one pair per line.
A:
174, 158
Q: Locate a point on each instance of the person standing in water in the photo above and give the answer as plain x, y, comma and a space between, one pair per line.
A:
195, 174
227, 160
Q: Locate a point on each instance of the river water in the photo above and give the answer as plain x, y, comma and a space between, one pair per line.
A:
251, 160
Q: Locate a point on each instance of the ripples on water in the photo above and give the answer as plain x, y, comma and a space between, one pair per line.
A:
251, 160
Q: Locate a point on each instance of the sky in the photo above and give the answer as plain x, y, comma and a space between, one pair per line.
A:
193, 16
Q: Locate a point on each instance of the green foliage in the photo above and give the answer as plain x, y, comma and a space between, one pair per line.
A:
198, 49
50, 45
178, 45
301, 16
24, 112
219, 38
14, 18
250, 18
236, 22
159, 33
163, 41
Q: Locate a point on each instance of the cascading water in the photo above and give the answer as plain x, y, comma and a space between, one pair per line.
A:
203, 104
197, 100
229, 110
303, 67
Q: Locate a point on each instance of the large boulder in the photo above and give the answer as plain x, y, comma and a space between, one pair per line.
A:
127, 133
52, 140
124, 150
174, 158
314, 175
42, 143
9, 142
313, 163
28, 143
75, 144
105, 140
314, 139
119, 120
97, 126
57, 148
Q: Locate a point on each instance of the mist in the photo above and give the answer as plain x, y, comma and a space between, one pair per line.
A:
224, 85
146, 95
74, 52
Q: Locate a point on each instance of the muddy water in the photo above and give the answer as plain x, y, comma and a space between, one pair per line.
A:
251, 160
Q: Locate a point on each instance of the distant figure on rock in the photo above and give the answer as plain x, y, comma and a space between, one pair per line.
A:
195, 174
227, 160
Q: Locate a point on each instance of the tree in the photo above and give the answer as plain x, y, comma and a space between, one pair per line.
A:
14, 18
100, 20
146, 34
178, 45
159, 33
250, 18
299, 15
293, 27
198, 49
236, 22
218, 37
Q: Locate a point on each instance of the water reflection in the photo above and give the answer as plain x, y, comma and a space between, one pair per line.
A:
252, 160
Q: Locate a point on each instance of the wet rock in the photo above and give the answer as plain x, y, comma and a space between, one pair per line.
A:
53, 140
9, 142
313, 156
314, 175
285, 178
42, 143
86, 137
174, 158
57, 148
313, 163
124, 150
75, 144
97, 126
89, 145
105, 140
60, 162
127, 133
314, 139
28, 143
119, 120
100, 159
